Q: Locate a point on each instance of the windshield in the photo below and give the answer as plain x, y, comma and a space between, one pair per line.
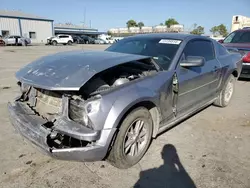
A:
162, 50
238, 37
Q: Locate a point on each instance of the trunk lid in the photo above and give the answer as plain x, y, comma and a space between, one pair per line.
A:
242, 48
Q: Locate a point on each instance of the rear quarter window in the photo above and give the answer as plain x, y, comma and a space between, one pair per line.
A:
222, 50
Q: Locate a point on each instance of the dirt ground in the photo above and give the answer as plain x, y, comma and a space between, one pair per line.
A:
210, 149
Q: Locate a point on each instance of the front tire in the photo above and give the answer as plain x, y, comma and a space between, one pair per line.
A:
54, 43
226, 93
133, 139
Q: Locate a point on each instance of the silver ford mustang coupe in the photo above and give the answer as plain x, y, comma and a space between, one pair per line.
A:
98, 105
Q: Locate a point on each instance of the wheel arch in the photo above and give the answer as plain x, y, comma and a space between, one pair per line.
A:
235, 73
146, 103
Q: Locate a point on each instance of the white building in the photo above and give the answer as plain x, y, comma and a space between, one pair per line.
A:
239, 22
134, 29
177, 27
160, 28
147, 29
18, 23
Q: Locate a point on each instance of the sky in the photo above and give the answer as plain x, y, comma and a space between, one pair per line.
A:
104, 15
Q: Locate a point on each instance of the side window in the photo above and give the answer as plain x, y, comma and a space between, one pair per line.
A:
202, 48
245, 38
222, 49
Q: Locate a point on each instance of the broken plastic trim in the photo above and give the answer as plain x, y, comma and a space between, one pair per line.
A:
56, 140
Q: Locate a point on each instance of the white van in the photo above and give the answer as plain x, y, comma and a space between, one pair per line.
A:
107, 38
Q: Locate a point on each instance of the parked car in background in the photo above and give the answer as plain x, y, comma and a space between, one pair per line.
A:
108, 39
116, 39
94, 105
100, 41
78, 40
60, 39
239, 40
49, 40
2, 42
16, 40
87, 39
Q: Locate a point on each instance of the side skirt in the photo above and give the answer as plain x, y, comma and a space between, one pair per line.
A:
178, 120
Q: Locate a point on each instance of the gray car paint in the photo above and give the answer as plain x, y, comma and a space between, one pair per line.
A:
197, 87
70, 70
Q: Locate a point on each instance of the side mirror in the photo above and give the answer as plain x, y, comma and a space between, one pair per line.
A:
221, 41
193, 61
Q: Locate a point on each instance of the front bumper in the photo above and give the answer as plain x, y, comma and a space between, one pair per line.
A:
49, 42
33, 128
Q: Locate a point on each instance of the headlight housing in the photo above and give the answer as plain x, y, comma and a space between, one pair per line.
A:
79, 111
23, 87
92, 107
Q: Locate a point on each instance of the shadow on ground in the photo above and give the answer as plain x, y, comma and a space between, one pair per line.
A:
169, 175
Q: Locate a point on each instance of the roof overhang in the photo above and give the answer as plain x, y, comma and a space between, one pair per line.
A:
26, 18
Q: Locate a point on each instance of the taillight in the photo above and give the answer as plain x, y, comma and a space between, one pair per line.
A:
246, 58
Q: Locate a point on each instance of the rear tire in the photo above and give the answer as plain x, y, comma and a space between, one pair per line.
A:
133, 139
226, 93
69, 42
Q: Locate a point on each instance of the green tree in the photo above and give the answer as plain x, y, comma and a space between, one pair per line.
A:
109, 33
161, 23
140, 24
214, 30
171, 21
197, 30
131, 23
219, 30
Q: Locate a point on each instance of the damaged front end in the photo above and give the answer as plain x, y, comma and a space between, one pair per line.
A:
46, 119
65, 102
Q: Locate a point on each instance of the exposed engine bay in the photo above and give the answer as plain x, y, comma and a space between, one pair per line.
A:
49, 103
115, 77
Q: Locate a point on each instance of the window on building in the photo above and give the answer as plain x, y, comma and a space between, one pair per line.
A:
5, 33
32, 35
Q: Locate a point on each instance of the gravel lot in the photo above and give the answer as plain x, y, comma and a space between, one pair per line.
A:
212, 147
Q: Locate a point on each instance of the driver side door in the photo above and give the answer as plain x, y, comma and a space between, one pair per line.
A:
197, 85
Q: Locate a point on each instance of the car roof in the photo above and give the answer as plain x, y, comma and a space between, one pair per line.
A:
244, 30
63, 35
177, 36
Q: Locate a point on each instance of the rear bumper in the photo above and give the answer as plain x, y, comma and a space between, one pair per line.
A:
31, 127
245, 72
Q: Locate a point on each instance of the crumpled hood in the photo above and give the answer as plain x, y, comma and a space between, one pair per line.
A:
71, 70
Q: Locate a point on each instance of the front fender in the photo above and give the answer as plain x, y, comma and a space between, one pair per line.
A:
124, 102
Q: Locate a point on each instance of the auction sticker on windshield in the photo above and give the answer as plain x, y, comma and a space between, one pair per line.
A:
169, 41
